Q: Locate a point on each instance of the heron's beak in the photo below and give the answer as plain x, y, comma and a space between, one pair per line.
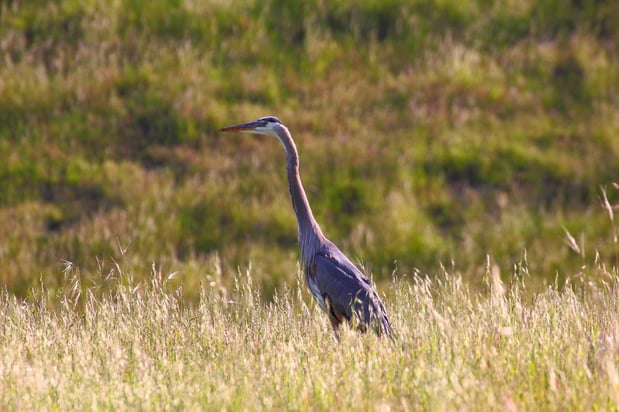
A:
251, 126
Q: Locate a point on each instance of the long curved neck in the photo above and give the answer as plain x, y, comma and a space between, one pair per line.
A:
307, 225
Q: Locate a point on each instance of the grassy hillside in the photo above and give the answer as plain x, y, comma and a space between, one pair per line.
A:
432, 133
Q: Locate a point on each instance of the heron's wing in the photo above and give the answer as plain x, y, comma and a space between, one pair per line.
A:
348, 289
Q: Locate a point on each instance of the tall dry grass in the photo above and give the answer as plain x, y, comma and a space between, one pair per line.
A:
141, 347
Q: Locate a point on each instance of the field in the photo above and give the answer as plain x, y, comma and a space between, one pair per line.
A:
143, 348
465, 153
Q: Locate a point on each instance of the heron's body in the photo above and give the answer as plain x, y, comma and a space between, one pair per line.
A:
338, 286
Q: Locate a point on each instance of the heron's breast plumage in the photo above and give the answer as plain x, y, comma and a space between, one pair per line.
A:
312, 284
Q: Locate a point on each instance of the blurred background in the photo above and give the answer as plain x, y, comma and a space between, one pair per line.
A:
432, 134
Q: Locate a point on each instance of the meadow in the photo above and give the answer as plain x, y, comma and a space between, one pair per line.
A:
144, 348
465, 153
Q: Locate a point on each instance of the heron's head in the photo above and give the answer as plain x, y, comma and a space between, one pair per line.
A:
268, 125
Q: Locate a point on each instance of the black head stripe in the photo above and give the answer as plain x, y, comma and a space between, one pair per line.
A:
271, 119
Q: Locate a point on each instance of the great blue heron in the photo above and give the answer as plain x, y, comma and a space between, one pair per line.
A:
340, 288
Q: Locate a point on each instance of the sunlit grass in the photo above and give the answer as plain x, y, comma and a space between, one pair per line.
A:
141, 346
150, 263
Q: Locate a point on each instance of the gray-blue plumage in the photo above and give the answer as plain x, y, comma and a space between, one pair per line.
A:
338, 286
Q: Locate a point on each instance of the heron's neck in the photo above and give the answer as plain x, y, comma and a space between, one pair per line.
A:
305, 218
306, 223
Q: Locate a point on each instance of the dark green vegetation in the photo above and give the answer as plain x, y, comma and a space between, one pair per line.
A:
429, 132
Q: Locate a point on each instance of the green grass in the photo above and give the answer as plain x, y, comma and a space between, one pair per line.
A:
140, 346
432, 134
464, 152
426, 129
